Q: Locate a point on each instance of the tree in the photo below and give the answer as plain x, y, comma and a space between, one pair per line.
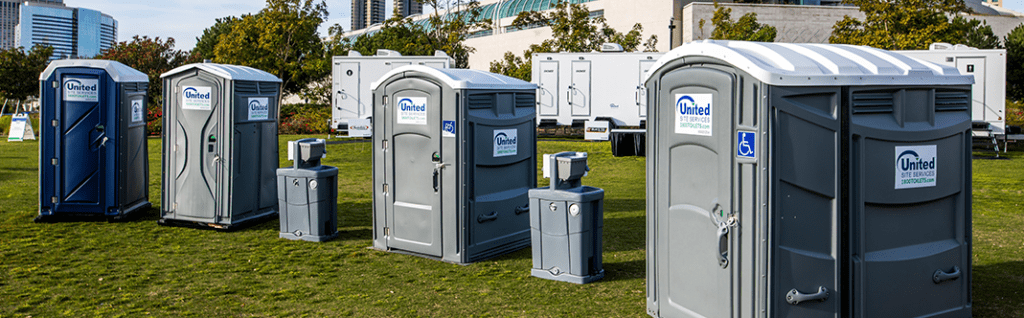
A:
318, 91
1014, 42
572, 30
19, 71
973, 33
443, 31
281, 39
746, 29
206, 43
909, 25
153, 57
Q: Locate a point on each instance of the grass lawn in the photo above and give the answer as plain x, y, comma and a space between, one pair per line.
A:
138, 268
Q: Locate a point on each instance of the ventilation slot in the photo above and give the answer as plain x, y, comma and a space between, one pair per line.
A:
951, 101
246, 88
131, 87
481, 101
143, 86
871, 103
268, 88
526, 100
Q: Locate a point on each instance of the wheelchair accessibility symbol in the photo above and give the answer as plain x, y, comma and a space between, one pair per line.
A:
745, 144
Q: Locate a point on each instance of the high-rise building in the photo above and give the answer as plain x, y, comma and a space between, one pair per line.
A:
408, 7
72, 32
994, 3
10, 14
366, 13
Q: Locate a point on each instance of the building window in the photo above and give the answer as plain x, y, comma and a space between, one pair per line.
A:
596, 14
480, 34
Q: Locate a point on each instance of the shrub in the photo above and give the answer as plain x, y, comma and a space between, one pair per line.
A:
304, 119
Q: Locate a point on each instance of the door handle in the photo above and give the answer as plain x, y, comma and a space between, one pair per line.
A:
487, 218
941, 276
436, 185
522, 209
795, 297
638, 96
100, 128
723, 245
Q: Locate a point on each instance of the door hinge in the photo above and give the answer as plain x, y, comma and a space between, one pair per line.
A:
387, 231
53, 199
175, 207
384, 145
386, 189
384, 100
53, 161
53, 123
54, 83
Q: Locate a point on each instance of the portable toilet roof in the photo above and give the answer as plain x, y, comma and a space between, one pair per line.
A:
232, 72
791, 64
117, 71
461, 78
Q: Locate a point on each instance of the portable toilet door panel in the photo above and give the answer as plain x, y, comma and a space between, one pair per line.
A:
691, 155
413, 206
805, 142
976, 66
579, 91
195, 169
255, 130
913, 219
81, 137
641, 94
133, 176
349, 97
548, 94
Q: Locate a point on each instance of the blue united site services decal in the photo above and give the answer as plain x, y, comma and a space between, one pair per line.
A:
693, 114
745, 144
448, 128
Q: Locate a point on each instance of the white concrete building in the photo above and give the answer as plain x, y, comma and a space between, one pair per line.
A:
795, 23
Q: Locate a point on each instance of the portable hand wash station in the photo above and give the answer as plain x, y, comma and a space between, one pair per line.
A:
565, 222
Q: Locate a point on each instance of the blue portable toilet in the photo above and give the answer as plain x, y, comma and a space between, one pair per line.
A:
93, 158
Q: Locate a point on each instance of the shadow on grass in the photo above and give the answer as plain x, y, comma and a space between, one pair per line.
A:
997, 290
628, 270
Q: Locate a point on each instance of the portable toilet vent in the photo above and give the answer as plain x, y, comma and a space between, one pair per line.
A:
220, 145
807, 180
454, 159
93, 155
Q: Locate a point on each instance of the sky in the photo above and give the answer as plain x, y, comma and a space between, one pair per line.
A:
184, 20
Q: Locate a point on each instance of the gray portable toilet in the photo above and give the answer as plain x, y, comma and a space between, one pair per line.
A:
454, 159
807, 180
93, 155
220, 145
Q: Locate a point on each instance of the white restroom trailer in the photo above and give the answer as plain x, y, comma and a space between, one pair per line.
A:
989, 90
351, 104
577, 88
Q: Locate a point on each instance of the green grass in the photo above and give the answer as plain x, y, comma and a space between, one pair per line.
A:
138, 268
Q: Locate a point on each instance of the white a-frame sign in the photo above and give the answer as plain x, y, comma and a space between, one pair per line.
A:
21, 128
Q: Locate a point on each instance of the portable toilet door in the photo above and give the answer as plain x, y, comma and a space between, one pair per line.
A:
414, 165
93, 154
579, 91
348, 97
641, 93
548, 90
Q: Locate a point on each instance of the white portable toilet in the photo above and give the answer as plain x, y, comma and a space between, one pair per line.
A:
807, 180
988, 95
351, 107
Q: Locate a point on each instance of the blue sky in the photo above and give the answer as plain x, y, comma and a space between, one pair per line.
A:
184, 20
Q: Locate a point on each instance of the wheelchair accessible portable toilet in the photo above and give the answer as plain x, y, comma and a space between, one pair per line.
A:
220, 145
93, 156
807, 180
454, 160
